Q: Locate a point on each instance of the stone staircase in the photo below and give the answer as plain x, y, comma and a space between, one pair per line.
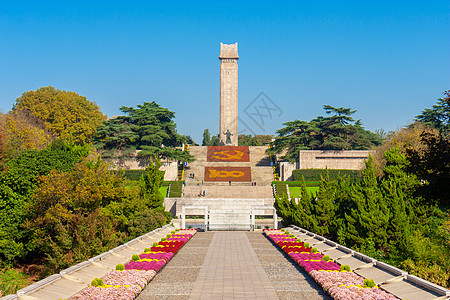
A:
229, 206
262, 172
233, 191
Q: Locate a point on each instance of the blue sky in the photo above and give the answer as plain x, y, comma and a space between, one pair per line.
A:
387, 59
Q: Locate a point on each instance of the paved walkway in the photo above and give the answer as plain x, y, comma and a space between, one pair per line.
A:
231, 265
231, 270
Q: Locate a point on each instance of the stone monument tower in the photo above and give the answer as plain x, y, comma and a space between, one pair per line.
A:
228, 94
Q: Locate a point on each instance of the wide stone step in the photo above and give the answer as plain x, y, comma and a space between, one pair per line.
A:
226, 219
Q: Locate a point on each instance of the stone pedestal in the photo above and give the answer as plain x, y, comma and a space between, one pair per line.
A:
228, 95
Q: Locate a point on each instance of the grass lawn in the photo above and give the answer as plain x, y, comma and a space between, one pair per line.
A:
163, 190
295, 191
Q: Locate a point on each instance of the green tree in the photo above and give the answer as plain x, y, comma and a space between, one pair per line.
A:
398, 188
336, 132
215, 140
284, 209
369, 218
66, 114
149, 128
432, 165
439, 115
66, 216
324, 209
303, 212
206, 138
20, 177
22, 131
116, 135
150, 183
254, 140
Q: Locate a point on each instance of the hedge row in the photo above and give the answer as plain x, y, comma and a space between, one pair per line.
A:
315, 174
131, 174
135, 175
297, 183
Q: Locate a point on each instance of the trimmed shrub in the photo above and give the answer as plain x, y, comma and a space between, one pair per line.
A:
326, 258
296, 183
314, 174
120, 267
314, 250
134, 175
97, 282
155, 244
306, 245
135, 257
369, 283
345, 268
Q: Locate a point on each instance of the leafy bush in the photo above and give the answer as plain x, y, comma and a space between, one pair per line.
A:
306, 245
11, 280
120, 267
314, 250
155, 244
326, 258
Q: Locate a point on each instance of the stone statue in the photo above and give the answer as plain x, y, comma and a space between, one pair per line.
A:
228, 134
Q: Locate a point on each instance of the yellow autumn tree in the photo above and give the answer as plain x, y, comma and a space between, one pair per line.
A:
20, 131
408, 138
66, 114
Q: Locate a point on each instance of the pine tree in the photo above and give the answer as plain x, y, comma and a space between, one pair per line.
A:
303, 212
324, 208
370, 216
397, 188
150, 183
283, 207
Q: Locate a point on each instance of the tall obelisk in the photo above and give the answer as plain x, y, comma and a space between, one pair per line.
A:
228, 94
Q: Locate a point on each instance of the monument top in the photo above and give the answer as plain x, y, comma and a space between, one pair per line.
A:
228, 51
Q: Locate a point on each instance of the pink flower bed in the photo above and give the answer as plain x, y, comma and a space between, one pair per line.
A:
332, 279
128, 283
341, 285
309, 266
145, 265
107, 293
305, 256
156, 255
356, 293
129, 277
